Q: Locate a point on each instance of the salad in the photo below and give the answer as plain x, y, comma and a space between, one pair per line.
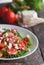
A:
12, 44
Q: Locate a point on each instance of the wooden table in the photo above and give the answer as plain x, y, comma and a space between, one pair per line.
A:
38, 56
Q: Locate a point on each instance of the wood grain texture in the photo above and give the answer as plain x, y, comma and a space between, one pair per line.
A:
39, 31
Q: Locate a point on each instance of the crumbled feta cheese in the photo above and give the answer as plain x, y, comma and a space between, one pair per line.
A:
16, 46
18, 41
7, 39
14, 30
23, 48
0, 41
14, 40
1, 30
28, 36
5, 43
10, 45
6, 34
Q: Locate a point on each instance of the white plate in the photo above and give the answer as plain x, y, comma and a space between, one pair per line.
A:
23, 32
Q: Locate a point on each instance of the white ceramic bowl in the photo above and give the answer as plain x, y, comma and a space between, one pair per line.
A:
23, 32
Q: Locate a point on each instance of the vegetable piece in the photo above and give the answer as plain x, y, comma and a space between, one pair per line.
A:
0, 34
25, 40
5, 31
11, 51
18, 34
22, 45
9, 34
20, 53
11, 40
3, 10
1, 45
29, 42
14, 7
0, 13
9, 17
1, 54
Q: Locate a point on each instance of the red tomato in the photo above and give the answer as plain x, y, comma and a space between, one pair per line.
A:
9, 17
22, 45
11, 51
3, 10
1, 45
9, 34
0, 13
25, 40
12, 40
1, 54
1, 34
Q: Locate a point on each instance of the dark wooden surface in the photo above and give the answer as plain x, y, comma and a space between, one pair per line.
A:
39, 31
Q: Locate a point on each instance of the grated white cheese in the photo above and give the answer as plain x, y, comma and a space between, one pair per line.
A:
16, 46
7, 39
5, 43
28, 36
14, 40
14, 30
10, 45
23, 48
18, 41
6, 34
0, 41
1, 30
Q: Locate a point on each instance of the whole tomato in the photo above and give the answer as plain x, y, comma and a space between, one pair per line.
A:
2, 11
9, 17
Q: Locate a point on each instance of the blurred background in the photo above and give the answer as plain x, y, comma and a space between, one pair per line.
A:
37, 5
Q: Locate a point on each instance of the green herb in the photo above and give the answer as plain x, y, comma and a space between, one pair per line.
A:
29, 42
34, 4
5, 30
18, 34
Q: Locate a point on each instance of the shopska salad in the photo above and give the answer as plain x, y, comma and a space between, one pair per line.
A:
12, 44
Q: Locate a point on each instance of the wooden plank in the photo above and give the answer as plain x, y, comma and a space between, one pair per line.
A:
39, 31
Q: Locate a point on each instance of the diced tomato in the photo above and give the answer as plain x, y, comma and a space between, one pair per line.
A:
1, 54
22, 45
1, 38
9, 34
11, 40
1, 45
0, 33
25, 40
11, 51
